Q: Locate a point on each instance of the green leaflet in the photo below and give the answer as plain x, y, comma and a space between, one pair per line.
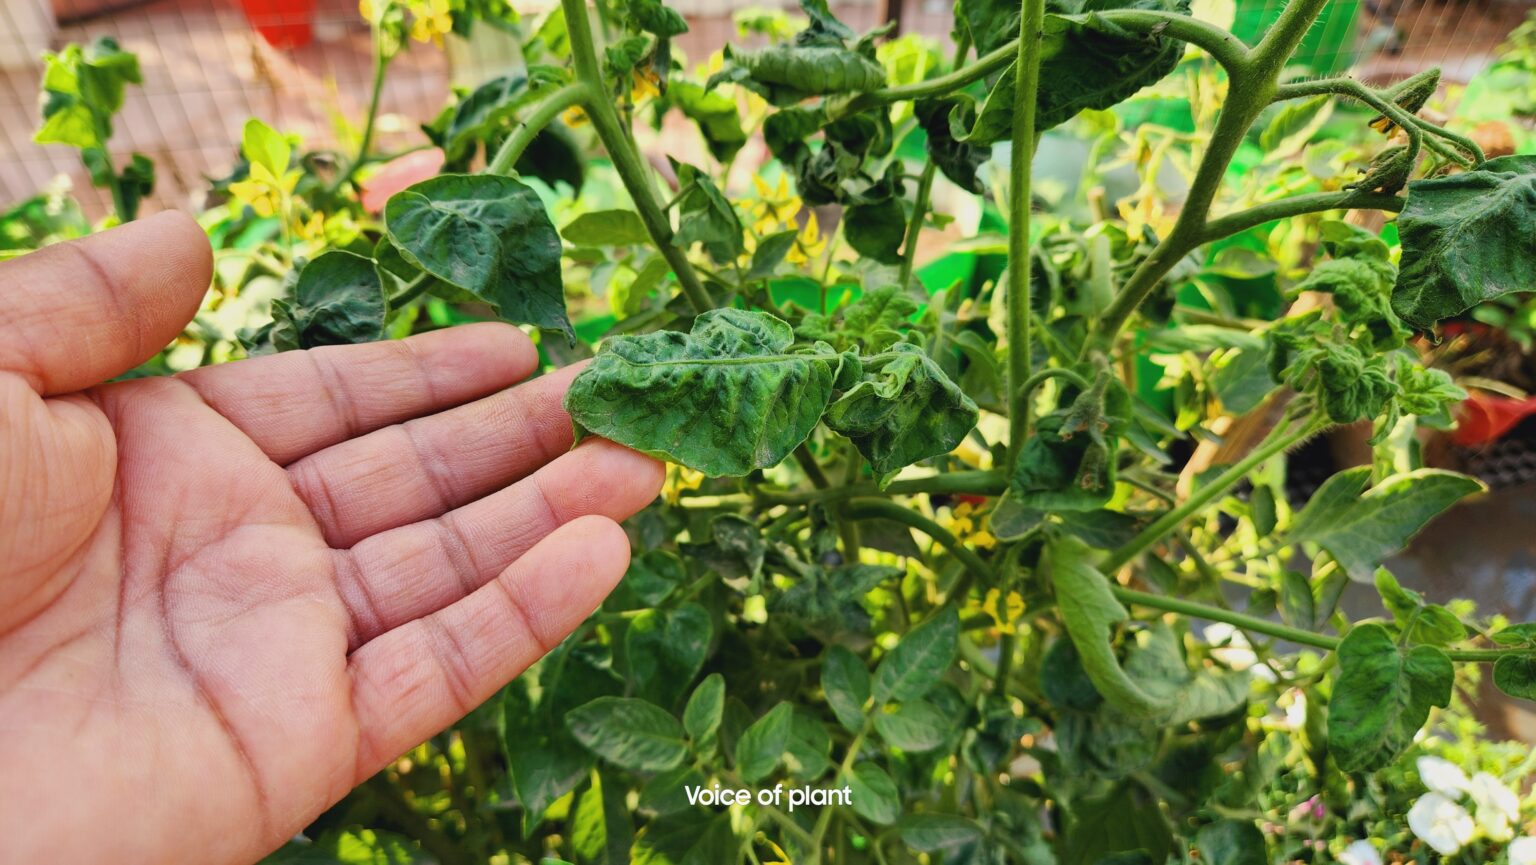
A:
715, 113
1091, 613
1467, 239
915, 665
1420, 622
1156, 662
1069, 463
1087, 62
706, 216
875, 796
1382, 697
82, 89
845, 681
785, 74
701, 717
762, 745
488, 235
723, 399
1232, 842
601, 827
1515, 675
957, 159
606, 228
906, 409
914, 726
336, 299
1361, 530
629, 733
484, 111
665, 649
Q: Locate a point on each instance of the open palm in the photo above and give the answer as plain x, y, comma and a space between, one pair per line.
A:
229, 596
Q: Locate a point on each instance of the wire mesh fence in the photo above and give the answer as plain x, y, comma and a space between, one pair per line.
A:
306, 67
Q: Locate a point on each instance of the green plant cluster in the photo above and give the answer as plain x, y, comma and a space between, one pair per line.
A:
923, 540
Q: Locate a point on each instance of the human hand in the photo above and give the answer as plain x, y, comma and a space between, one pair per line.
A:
229, 596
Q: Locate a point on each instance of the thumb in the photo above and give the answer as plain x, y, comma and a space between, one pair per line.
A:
78, 313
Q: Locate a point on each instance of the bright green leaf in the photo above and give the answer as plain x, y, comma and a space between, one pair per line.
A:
629, 733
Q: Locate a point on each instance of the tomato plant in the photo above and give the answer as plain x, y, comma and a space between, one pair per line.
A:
927, 542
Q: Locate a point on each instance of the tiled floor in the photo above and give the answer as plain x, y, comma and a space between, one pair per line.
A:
206, 71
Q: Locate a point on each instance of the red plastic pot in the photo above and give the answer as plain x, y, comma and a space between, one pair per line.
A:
1485, 418
283, 23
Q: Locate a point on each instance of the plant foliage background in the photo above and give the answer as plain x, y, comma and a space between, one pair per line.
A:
930, 533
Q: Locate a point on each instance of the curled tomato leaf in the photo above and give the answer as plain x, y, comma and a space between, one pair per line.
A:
488, 235
1467, 239
1087, 62
337, 298
906, 409
1069, 463
724, 399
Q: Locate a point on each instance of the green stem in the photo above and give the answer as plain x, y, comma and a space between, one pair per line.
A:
1354, 89
1276, 629
530, 126
1252, 88
981, 483
1285, 208
879, 509
1025, 103
915, 225
824, 819
1278, 440
370, 121
1223, 47
632, 171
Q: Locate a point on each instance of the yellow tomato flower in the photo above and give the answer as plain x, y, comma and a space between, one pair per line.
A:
574, 116
679, 480
809, 244
1004, 611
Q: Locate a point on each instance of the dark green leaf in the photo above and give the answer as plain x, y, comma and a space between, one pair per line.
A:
913, 726
706, 216
544, 762
488, 235
725, 399
873, 793
769, 253
905, 409
940, 833
875, 229
337, 300
845, 680
1515, 675
701, 717
1467, 239
715, 113
606, 228
1420, 622
1232, 842
1361, 530
1382, 697
921, 658
665, 649
629, 733
762, 745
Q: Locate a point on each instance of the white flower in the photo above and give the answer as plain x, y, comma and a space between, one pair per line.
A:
1522, 851
1360, 853
1442, 776
1497, 806
1441, 823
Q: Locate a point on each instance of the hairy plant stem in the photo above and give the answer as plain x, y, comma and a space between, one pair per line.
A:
370, 121
1278, 440
880, 509
530, 126
1025, 137
1357, 90
1252, 87
982, 483
1285, 208
1223, 47
1278, 630
915, 224
632, 171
